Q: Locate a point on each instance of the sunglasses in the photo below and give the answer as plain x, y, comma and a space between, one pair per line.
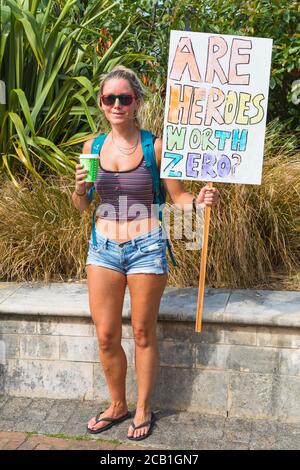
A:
124, 99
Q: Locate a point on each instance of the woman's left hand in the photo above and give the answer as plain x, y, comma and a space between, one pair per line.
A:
208, 197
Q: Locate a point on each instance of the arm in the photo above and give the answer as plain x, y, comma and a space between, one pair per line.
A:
79, 196
180, 197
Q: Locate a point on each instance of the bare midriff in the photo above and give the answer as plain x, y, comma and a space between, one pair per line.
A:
124, 230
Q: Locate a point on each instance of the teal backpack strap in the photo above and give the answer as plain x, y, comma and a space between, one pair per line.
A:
149, 156
96, 148
97, 143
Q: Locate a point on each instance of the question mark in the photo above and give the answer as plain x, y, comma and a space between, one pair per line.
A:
238, 162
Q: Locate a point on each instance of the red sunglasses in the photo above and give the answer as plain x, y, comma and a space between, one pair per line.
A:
124, 99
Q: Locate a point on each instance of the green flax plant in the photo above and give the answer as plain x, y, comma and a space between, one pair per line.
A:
50, 66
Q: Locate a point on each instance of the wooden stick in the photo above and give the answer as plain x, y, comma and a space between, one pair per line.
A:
203, 267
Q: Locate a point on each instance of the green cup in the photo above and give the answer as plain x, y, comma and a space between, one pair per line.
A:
90, 161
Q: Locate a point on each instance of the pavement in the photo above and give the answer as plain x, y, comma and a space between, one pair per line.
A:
48, 424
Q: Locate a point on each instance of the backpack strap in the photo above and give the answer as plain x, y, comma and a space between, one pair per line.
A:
96, 148
149, 156
97, 143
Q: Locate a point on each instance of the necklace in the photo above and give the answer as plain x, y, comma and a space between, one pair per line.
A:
128, 150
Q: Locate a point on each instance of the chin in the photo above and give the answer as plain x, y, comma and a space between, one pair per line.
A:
118, 120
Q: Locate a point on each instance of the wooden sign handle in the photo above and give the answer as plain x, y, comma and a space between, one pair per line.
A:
203, 267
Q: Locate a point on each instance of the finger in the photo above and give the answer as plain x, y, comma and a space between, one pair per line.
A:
81, 173
210, 190
80, 177
209, 201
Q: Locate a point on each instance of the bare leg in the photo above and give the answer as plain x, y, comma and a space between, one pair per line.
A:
145, 291
106, 295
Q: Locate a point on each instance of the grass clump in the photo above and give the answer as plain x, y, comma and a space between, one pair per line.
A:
42, 236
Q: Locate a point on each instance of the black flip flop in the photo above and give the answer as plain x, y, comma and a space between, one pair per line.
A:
111, 422
146, 423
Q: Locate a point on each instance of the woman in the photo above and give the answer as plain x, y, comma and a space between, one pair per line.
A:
131, 250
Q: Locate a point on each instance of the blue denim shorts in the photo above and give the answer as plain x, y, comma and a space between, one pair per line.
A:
145, 254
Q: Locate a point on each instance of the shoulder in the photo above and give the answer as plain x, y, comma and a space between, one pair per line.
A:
87, 146
158, 150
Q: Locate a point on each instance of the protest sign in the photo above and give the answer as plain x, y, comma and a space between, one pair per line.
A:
216, 107
215, 115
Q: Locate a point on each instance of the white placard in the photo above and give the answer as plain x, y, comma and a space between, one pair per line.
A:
216, 107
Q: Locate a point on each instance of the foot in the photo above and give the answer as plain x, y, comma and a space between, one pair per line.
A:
140, 417
111, 412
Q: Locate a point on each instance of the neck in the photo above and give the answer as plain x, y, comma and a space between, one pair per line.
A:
125, 132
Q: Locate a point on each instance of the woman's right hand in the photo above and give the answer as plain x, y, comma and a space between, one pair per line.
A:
81, 186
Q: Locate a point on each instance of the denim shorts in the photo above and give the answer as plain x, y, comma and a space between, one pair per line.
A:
145, 254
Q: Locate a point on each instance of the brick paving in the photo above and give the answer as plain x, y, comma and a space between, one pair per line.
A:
23, 441
27, 424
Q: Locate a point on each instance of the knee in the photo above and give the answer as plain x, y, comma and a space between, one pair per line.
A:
144, 336
108, 342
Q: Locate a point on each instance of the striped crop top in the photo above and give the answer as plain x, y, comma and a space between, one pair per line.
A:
125, 195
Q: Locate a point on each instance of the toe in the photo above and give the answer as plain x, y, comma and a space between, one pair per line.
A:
140, 432
91, 423
130, 431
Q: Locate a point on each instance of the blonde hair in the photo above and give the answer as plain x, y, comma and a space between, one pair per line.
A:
127, 74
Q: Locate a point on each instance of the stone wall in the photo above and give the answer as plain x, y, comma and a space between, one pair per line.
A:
232, 368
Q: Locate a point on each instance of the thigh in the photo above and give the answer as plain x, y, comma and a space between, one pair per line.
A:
145, 294
106, 289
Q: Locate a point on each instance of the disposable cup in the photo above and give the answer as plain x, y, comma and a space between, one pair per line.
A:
90, 161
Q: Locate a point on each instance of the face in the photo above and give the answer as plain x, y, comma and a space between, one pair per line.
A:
118, 113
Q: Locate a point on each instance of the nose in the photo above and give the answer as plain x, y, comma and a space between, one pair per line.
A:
117, 103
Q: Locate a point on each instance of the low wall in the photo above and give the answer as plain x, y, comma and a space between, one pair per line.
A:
245, 363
